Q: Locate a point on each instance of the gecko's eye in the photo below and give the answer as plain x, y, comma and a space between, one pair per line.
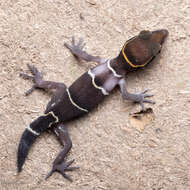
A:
145, 34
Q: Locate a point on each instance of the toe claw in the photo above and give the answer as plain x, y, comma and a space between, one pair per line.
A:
30, 91
67, 45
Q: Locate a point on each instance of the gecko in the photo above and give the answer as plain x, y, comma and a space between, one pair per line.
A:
86, 92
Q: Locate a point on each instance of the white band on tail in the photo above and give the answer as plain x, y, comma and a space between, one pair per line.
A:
32, 131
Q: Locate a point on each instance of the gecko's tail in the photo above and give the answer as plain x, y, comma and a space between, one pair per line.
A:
26, 141
30, 134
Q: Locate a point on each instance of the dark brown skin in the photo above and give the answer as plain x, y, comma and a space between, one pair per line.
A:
87, 92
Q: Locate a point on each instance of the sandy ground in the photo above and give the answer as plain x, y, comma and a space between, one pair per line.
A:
112, 151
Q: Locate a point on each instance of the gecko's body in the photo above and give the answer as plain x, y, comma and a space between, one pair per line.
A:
87, 92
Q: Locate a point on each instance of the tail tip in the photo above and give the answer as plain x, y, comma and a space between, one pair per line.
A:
26, 141
19, 169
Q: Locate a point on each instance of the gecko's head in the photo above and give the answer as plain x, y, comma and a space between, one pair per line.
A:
142, 49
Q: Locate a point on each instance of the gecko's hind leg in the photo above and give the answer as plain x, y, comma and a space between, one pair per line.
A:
59, 164
77, 51
40, 83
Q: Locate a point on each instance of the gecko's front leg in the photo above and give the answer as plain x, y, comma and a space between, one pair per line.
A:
138, 97
77, 50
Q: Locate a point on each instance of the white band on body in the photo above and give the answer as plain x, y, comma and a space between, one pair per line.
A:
94, 84
56, 118
51, 112
85, 110
112, 70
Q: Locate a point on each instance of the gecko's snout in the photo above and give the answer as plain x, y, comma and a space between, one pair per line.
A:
165, 33
160, 35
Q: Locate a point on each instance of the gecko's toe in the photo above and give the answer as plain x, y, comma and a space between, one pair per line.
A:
67, 46
32, 69
25, 76
73, 41
75, 48
62, 168
28, 92
36, 78
149, 101
35, 71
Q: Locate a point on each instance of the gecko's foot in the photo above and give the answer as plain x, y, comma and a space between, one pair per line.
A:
37, 77
141, 98
76, 49
62, 168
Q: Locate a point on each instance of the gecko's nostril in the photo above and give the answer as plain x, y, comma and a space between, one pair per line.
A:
165, 32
